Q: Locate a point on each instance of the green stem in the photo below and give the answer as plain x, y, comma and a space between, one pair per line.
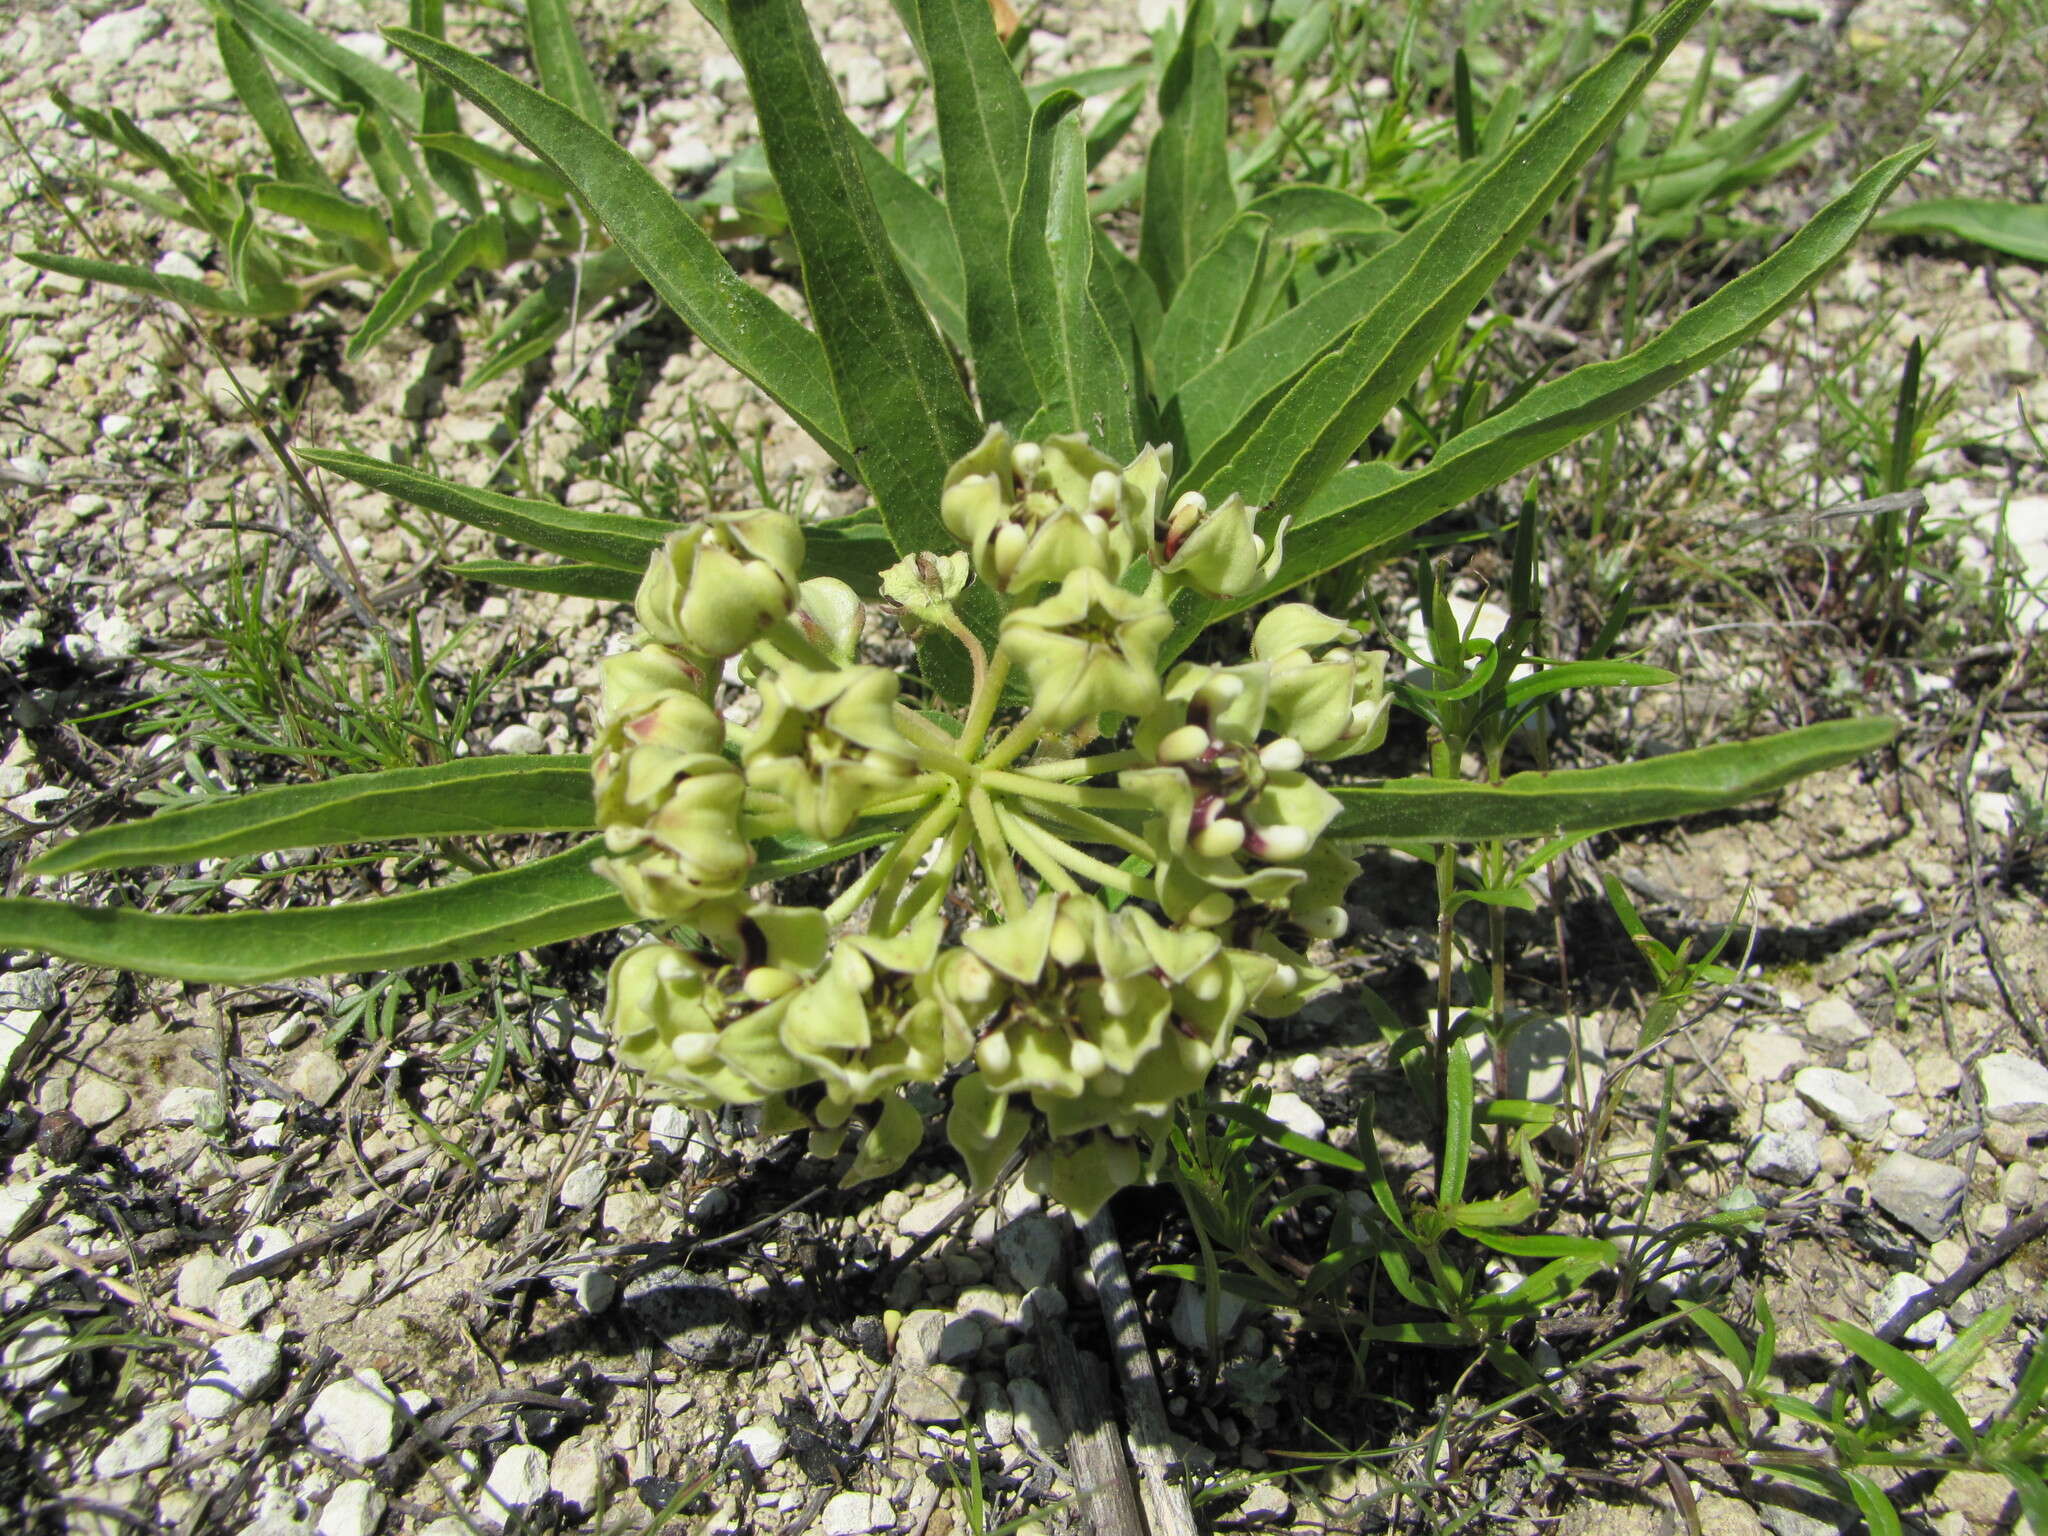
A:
988, 690
1087, 864
905, 853
918, 793
995, 854
1031, 844
939, 877
1095, 829
1024, 734
1087, 796
844, 904
1086, 767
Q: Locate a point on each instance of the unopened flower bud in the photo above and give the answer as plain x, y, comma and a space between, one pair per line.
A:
1090, 649
1214, 551
716, 587
1184, 744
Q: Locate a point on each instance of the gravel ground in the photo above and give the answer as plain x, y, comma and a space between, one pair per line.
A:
418, 1260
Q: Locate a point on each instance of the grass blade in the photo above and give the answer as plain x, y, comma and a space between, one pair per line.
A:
476, 797
905, 409
558, 57
984, 133
543, 902
610, 539
2017, 229
1597, 799
737, 321
1189, 195
1919, 1386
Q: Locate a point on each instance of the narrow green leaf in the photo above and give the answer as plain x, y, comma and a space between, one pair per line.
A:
1189, 195
326, 213
518, 172
1315, 428
984, 132
906, 411
1291, 1141
1871, 1502
1919, 1386
2032, 1491
1082, 383
2017, 229
609, 539
290, 156
399, 180
530, 330
1723, 1335
601, 582
1212, 310
558, 57
267, 305
1598, 799
322, 65
923, 239
438, 118
475, 797
481, 244
1305, 211
1584, 674
1458, 1091
1141, 306
1371, 505
736, 320
543, 902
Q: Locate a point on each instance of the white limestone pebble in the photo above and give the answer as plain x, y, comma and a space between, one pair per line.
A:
356, 1417
518, 1481
1844, 1100
240, 1369
2015, 1090
355, 1508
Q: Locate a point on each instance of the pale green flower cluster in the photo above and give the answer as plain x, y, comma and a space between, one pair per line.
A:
1067, 906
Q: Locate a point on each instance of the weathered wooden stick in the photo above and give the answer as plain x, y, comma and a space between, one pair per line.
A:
1095, 1449
1161, 1476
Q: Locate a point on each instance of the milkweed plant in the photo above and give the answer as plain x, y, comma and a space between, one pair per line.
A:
1065, 855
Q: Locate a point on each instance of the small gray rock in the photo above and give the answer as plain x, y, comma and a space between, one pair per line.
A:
519, 739
1900, 1291
1920, 1194
1029, 1248
141, 1447
1297, 1114
1785, 1157
356, 1417
98, 1101
1190, 1320
1835, 1021
2015, 1090
35, 1354
581, 1472
855, 1514
114, 39
1888, 1070
355, 1508
584, 1186
1772, 1055
318, 1078
239, 1306
32, 991
1844, 1101
187, 1105
762, 1443
199, 1280
1035, 1419
241, 1368
701, 1324
518, 1481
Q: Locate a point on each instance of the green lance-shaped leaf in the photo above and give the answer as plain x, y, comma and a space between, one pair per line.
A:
544, 902
265, 305
481, 244
519, 172
610, 539
1571, 800
2018, 229
1081, 371
290, 156
984, 131
737, 321
903, 404
1210, 312
600, 582
1189, 195
322, 65
400, 182
558, 56
438, 117
330, 216
1369, 506
1309, 212
476, 797
923, 240
531, 329
1329, 411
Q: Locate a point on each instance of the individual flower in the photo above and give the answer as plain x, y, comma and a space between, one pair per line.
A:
667, 800
827, 745
830, 614
1089, 649
870, 1022
1328, 696
1212, 549
717, 586
701, 1028
1028, 513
